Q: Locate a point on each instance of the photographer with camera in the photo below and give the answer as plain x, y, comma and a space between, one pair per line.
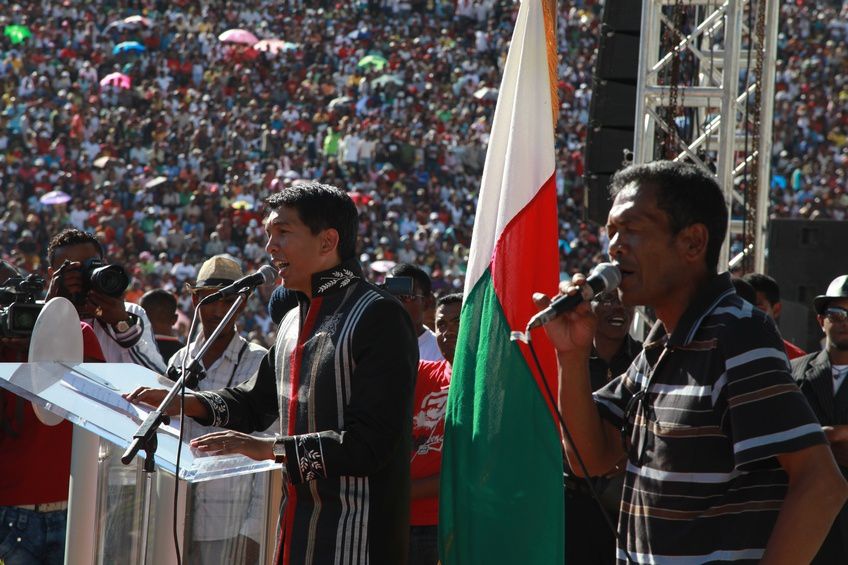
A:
35, 465
77, 271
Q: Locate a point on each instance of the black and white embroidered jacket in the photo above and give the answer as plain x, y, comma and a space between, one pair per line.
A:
341, 379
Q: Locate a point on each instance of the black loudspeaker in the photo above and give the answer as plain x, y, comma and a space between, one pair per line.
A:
612, 111
803, 257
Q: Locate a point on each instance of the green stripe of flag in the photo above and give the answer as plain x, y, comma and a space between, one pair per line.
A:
501, 481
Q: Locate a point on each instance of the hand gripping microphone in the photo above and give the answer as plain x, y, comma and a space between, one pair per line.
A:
266, 274
604, 277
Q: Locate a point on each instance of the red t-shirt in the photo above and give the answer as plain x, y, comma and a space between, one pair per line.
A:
35, 460
428, 431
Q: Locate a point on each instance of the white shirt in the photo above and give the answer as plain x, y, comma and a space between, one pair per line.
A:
839, 374
428, 347
222, 509
144, 352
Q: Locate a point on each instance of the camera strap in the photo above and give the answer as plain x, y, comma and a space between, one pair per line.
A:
236, 365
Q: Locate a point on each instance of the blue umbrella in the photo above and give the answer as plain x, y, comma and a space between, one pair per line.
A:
361, 33
128, 47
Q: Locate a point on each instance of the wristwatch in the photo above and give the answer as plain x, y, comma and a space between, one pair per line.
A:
279, 450
124, 325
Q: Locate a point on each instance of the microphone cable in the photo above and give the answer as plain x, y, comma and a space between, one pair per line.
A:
183, 359
586, 477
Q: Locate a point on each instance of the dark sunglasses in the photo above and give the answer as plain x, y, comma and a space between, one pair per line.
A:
836, 314
636, 410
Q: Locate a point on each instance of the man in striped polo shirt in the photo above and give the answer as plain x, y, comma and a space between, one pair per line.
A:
725, 459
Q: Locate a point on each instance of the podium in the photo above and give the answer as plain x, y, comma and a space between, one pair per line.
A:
117, 513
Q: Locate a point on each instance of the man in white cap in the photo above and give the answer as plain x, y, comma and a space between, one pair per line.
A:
821, 376
227, 514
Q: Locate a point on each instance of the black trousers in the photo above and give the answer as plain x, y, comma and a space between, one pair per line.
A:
588, 539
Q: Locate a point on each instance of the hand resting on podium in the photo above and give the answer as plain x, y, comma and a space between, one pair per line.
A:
224, 442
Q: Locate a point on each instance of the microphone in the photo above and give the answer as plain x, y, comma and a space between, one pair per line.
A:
604, 277
265, 274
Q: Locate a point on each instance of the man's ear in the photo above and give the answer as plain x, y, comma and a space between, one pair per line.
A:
693, 242
329, 240
775, 310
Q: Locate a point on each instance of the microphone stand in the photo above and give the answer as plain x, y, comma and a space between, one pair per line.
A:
145, 436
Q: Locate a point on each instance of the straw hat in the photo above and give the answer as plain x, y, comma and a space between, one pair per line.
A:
216, 272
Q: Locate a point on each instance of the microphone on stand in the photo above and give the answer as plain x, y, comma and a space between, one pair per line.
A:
603, 278
266, 274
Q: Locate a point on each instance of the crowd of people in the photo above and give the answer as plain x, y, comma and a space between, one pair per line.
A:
390, 99
810, 152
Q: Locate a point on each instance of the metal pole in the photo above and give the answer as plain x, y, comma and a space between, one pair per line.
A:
766, 126
643, 133
727, 129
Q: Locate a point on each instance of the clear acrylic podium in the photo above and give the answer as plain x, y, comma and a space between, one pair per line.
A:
117, 513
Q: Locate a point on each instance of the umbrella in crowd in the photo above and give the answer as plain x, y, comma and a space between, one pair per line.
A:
359, 198
340, 101
119, 80
238, 35
373, 60
130, 22
382, 266
105, 161
154, 182
361, 33
128, 47
385, 80
242, 205
17, 33
55, 197
486, 93
274, 46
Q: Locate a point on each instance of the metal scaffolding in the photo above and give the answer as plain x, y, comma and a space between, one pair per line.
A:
705, 96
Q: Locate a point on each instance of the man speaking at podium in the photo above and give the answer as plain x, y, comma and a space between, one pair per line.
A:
340, 378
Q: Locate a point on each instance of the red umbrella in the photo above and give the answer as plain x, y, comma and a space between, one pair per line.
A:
359, 198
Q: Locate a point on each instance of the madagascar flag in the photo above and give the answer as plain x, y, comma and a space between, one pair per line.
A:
501, 483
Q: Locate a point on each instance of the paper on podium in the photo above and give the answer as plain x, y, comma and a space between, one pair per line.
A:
89, 395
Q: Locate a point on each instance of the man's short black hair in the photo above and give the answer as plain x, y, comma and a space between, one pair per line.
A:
417, 274
765, 284
69, 237
322, 206
158, 301
454, 298
687, 194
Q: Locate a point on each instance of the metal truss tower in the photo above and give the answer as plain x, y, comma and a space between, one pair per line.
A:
705, 95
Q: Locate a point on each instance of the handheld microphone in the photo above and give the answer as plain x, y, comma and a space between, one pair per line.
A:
604, 277
266, 274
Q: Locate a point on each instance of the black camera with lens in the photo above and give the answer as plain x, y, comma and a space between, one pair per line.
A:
19, 306
111, 280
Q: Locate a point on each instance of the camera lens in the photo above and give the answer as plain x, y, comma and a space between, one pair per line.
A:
111, 280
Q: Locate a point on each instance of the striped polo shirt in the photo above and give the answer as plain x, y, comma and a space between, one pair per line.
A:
705, 411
